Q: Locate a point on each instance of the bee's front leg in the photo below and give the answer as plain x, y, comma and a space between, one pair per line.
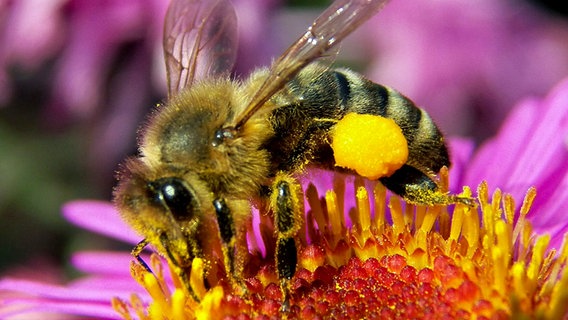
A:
287, 204
182, 273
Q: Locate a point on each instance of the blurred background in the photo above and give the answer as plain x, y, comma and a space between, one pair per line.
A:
78, 77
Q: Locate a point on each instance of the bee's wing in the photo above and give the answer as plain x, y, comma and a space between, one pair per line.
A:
200, 40
330, 28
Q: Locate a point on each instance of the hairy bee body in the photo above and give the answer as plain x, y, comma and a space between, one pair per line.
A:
295, 134
219, 145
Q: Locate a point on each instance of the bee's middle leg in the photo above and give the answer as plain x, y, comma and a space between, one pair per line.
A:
232, 253
287, 204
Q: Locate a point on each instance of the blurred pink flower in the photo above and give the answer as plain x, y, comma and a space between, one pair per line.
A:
467, 62
105, 63
24, 41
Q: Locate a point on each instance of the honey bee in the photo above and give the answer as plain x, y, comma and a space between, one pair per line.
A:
218, 145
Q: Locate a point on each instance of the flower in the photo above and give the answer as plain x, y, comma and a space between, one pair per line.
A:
386, 259
468, 267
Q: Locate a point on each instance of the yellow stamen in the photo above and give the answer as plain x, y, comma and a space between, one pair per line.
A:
160, 300
335, 218
209, 307
470, 226
456, 225
499, 270
503, 240
397, 217
444, 221
535, 264
364, 212
178, 305
429, 219
138, 307
156, 310
509, 208
380, 193
518, 272
558, 307
120, 306
196, 277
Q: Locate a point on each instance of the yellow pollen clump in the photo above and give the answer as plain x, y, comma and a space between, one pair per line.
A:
372, 146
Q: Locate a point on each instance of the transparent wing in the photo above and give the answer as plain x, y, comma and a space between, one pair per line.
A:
200, 40
329, 29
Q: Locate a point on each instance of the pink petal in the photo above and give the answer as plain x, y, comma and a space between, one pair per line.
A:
103, 262
89, 296
530, 149
547, 149
549, 212
495, 160
40, 309
106, 266
81, 291
100, 217
461, 151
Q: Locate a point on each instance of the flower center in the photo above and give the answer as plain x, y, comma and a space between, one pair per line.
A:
395, 261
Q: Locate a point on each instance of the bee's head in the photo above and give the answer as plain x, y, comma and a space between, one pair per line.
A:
165, 206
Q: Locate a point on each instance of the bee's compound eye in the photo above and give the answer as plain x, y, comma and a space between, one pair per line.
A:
173, 193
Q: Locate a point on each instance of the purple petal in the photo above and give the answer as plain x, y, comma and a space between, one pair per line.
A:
549, 211
79, 292
495, 160
100, 217
40, 309
105, 266
547, 149
107, 26
103, 263
88, 296
106, 287
530, 149
461, 151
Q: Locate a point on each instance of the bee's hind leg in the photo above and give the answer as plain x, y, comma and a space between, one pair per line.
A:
288, 205
418, 188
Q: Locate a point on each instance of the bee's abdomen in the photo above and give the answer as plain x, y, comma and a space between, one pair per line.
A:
427, 149
317, 97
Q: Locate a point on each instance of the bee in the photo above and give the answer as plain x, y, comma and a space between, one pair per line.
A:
219, 145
